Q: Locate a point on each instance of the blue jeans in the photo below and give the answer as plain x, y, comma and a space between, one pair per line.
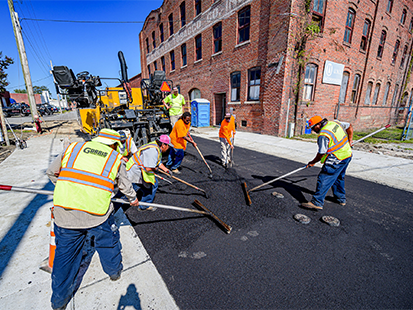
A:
175, 158
69, 252
331, 176
148, 194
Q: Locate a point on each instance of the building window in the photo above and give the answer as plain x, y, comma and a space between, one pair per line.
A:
155, 66
348, 32
411, 25
365, 35
172, 56
355, 89
389, 6
403, 19
183, 54
171, 24
195, 94
404, 56
386, 93
235, 86
149, 70
198, 7
368, 93
309, 81
381, 44
376, 93
153, 39
396, 89
183, 14
217, 37
343, 88
147, 45
395, 52
254, 81
198, 47
244, 24
161, 32
163, 63
318, 13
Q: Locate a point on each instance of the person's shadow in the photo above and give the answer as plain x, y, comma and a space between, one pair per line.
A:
131, 299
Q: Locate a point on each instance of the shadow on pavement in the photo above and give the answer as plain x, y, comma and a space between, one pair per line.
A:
130, 299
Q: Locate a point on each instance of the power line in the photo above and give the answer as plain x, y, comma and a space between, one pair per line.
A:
33, 82
82, 21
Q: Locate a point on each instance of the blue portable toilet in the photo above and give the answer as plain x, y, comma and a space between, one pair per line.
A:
200, 113
307, 130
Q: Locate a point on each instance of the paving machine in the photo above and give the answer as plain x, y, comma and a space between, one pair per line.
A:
139, 110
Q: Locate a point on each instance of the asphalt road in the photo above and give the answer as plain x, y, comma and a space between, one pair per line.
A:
269, 260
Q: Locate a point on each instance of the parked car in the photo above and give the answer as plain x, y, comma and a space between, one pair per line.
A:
52, 108
43, 110
18, 109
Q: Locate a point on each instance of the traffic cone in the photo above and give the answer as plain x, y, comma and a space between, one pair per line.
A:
52, 245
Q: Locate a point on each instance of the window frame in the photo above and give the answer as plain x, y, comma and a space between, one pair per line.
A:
147, 45
343, 88
182, 11
161, 34
251, 72
171, 24
365, 35
236, 87
155, 65
395, 52
198, 47
367, 98
348, 31
389, 6
153, 39
217, 40
245, 28
376, 94
163, 63
172, 59
310, 84
317, 15
386, 93
198, 7
403, 18
382, 42
184, 56
411, 25
396, 90
404, 56
355, 89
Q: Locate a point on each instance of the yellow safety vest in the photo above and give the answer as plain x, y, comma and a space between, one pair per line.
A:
148, 176
87, 177
338, 141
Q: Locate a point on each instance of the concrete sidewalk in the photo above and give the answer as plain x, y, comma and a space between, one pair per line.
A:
387, 170
24, 235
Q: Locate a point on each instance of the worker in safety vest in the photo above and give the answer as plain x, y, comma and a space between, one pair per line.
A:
174, 103
179, 137
85, 175
334, 151
226, 138
128, 145
142, 165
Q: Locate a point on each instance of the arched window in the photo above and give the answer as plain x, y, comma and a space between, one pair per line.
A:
195, 94
381, 44
343, 88
376, 93
368, 93
355, 89
348, 32
386, 93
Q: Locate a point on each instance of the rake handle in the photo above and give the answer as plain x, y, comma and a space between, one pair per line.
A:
202, 156
182, 181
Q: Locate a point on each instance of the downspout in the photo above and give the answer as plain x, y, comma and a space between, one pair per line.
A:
367, 57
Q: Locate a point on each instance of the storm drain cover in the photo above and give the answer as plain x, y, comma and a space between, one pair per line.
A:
303, 219
277, 194
330, 220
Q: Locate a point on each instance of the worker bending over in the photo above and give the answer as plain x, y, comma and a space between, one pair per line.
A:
174, 103
85, 175
226, 137
142, 165
334, 151
179, 137
128, 146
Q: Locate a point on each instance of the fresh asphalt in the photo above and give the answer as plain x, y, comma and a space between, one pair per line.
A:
269, 260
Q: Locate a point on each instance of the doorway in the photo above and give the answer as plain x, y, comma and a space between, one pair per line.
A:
220, 107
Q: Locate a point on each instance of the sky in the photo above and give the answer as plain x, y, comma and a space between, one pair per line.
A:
91, 47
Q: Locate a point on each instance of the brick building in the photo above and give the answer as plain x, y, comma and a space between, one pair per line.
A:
275, 62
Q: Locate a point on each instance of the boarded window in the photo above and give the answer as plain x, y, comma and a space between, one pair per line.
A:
368, 93
355, 89
343, 88
376, 93
386, 93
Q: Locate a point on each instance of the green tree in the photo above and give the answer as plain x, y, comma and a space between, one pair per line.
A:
4, 63
36, 90
20, 91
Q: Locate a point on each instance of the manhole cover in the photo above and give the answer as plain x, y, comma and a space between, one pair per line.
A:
330, 220
277, 194
303, 219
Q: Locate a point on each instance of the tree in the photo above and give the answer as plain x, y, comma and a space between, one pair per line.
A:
36, 90
20, 91
4, 63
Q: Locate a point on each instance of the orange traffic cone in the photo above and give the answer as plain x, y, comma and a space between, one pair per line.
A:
52, 245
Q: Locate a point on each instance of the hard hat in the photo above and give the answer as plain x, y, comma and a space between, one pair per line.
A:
165, 139
108, 137
314, 121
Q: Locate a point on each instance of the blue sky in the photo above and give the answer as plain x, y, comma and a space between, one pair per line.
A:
79, 46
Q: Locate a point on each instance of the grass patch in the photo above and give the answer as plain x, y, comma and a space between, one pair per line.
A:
390, 135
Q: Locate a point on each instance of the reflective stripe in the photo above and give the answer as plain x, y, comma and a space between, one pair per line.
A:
73, 155
86, 183
100, 179
109, 164
337, 146
107, 135
330, 134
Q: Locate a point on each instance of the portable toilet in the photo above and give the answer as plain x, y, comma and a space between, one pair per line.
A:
200, 113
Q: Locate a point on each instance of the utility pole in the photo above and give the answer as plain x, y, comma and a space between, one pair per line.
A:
23, 58
3, 125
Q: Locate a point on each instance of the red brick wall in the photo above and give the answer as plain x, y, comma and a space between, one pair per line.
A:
274, 31
23, 98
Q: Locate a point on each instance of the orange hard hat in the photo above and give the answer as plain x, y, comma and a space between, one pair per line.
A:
314, 121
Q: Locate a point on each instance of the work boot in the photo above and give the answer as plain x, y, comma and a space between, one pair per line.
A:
115, 276
176, 171
147, 209
311, 206
342, 204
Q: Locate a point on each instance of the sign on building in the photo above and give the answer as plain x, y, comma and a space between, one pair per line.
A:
333, 73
